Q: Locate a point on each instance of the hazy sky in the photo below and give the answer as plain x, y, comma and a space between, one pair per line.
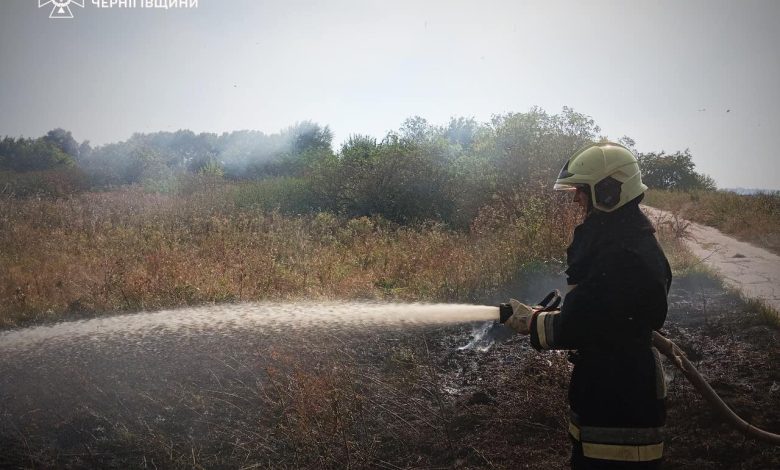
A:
662, 72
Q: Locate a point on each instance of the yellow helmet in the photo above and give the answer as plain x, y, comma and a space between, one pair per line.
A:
609, 170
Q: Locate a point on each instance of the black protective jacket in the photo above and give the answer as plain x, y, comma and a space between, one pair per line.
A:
617, 388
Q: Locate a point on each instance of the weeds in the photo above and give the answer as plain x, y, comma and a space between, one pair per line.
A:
130, 250
301, 402
296, 401
767, 314
672, 231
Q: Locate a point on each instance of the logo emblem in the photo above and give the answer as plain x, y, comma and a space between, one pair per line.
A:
60, 8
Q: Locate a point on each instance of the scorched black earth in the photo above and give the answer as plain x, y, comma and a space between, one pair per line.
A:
227, 394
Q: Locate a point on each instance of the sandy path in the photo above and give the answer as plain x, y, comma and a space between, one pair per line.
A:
751, 269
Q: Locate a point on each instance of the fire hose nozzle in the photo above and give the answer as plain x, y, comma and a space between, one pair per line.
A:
504, 312
551, 302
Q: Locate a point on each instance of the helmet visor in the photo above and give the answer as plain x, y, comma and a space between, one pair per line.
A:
565, 172
566, 187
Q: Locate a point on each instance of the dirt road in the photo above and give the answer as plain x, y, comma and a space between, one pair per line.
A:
751, 269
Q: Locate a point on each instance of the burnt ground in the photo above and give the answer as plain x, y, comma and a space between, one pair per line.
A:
734, 347
396, 398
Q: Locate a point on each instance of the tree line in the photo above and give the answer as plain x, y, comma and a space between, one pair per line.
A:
421, 171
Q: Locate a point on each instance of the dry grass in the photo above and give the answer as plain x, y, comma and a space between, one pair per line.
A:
754, 219
335, 410
672, 231
389, 399
386, 399
129, 250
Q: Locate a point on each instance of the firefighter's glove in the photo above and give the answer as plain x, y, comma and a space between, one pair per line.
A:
522, 314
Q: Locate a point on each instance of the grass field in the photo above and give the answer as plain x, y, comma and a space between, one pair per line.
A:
130, 250
389, 398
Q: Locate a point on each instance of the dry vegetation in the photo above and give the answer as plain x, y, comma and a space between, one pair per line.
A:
398, 398
310, 398
672, 231
754, 218
404, 398
130, 250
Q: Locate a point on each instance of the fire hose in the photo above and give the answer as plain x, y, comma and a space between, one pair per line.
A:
680, 360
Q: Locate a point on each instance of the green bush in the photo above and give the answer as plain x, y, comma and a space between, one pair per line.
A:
673, 171
50, 183
285, 194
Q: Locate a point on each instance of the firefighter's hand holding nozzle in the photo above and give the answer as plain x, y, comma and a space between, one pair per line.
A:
519, 316
522, 314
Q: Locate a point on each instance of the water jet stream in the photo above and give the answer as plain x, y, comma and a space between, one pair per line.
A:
267, 317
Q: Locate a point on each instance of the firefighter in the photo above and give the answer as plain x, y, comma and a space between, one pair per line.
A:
618, 281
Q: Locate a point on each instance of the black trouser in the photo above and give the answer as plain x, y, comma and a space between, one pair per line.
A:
618, 411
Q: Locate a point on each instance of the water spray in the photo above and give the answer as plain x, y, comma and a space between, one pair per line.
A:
272, 317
